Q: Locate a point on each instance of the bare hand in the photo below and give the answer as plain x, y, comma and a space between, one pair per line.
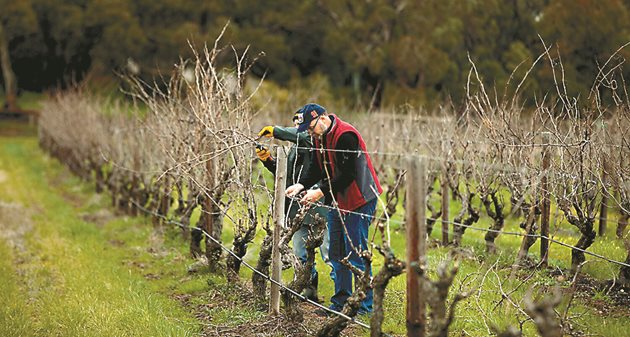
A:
293, 190
311, 196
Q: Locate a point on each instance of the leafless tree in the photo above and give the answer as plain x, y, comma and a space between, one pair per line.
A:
302, 272
618, 189
9, 79
577, 185
334, 326
244, 233
392, 265
202, 122
434, 214
544, 315
468, 214
441, 316
259, 282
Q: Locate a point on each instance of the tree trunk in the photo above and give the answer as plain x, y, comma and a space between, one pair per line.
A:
624, 272
233, 264
185, 219
441, 316
430, 220
165, 199
460, 224
530, 229
259, 282
135, 195
498, 217
100, 178
113, 188
123, 200
335, 326
585, 241
181, 201
392, 267
622, 223
214, 227
196, 236
10, 82
303, 272
154, 205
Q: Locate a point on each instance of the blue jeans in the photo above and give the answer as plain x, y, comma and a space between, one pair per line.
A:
358, 228
299, 249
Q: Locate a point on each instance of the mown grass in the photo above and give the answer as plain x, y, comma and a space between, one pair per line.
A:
14, 313
78, 278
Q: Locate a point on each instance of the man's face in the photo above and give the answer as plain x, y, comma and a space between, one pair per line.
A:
315, 128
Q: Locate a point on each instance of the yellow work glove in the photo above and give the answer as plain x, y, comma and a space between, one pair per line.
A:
263, 153
267, 131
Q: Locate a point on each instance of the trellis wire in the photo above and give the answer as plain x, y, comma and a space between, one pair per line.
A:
266, 277
487, 230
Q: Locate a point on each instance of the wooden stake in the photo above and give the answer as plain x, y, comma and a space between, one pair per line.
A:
445, 203
278, 217
416, 246
546, 206
603, 208
445, 197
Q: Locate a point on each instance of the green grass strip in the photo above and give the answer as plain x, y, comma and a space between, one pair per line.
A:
73, 281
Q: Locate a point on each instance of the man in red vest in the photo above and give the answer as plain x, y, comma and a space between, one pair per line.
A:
344, 173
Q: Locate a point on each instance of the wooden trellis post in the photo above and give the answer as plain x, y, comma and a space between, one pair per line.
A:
445, 204
445, 198
546, 206
603, 208
278, 220
416, 246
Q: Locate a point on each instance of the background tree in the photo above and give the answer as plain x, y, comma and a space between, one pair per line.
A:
586, 33
376, 53
17, 21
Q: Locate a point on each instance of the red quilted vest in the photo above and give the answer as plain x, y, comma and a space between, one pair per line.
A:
361, 190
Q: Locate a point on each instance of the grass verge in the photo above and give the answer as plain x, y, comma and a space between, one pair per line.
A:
75, 273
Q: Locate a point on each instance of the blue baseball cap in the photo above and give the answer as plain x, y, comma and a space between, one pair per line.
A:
306, 114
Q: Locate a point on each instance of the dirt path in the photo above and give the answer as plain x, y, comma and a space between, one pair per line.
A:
15, 223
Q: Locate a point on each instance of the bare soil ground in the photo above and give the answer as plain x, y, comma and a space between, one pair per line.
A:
605, 296
239, 295
616, 298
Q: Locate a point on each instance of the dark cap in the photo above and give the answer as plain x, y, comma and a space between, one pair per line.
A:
306, 114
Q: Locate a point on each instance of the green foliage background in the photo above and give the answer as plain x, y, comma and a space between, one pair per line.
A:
389, 51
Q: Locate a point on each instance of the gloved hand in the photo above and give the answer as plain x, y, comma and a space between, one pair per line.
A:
267, 131
263, 153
